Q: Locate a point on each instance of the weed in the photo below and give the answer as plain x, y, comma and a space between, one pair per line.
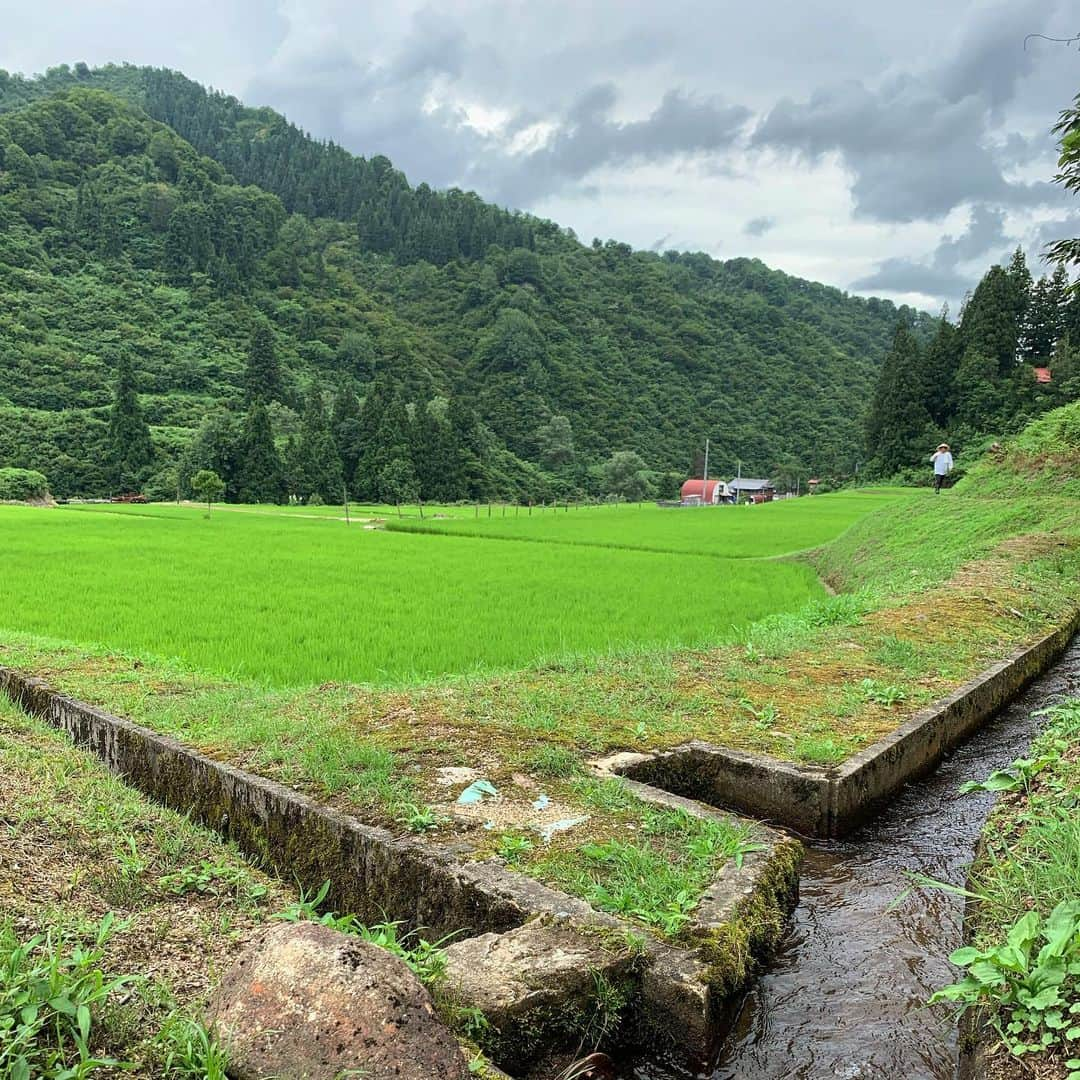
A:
554, 762
189, 1050
49, 990
513, 847
1032, 982
881, 693
426, 959
419, 819
214, 879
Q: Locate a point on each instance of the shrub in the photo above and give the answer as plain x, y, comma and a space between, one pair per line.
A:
18, 485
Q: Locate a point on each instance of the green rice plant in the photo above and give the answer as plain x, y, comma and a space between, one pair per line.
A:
313, 601
723, 532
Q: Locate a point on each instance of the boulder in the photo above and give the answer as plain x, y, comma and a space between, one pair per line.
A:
306, 1002
538, 987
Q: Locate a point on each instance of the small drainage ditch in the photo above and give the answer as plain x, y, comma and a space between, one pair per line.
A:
844, 995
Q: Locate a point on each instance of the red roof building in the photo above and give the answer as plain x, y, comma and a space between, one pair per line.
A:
703, 491
1043, 375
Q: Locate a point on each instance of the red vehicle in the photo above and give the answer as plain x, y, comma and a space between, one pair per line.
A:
129, 497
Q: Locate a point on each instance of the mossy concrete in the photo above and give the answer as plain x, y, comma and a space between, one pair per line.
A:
827, 802
677, 993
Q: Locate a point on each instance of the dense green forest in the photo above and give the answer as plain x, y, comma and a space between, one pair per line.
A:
189, 283
1013, 355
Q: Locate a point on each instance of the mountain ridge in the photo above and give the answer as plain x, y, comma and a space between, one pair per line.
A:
640, 351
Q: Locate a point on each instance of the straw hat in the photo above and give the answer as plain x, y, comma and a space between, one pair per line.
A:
943, 446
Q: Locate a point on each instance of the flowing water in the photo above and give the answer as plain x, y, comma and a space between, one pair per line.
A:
844, 996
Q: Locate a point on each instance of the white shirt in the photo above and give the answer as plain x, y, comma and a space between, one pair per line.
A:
942, 460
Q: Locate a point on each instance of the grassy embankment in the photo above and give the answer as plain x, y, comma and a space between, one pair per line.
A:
96, 885
932, 590
1021, 969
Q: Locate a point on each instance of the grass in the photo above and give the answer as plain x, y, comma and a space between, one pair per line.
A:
1032, 840
288, 601
658, 882
118, 918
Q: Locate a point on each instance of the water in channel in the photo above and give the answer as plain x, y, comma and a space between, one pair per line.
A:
844, 995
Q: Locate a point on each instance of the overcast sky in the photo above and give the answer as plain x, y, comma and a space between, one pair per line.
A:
893, 149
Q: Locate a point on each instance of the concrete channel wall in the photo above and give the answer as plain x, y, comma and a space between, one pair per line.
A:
830, 802
681, 993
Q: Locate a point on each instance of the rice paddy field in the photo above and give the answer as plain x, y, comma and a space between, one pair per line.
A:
730, 532
277, 597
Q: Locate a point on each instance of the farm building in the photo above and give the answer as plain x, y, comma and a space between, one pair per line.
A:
1043, 375
704, 492
758, 490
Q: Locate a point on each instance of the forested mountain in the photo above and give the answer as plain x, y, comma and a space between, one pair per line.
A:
1014, 354
242, 284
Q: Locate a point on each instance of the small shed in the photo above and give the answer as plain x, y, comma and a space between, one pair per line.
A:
758, 490
703, 492
1043, 375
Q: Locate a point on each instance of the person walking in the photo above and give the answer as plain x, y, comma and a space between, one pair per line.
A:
942, 461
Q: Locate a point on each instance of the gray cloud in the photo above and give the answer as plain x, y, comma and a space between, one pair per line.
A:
759, 226
588, 138
939, 275
919, 145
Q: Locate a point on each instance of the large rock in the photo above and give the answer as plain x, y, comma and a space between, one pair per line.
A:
306, 1002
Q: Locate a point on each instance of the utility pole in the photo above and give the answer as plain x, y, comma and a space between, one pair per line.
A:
738, 477
345, 496
705, 478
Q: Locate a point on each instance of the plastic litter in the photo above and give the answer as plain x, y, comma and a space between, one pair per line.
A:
476, 792
541, 803
548, 831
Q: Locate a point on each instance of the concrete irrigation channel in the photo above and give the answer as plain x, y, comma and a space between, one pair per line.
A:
843, 995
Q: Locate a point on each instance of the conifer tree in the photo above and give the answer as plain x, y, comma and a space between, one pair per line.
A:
262, 378
345, 426
131, 451
320, 472
260, 476
466, 474
990, 324
940, 362
1020, 283
1038, 335
898, 426
433, 452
